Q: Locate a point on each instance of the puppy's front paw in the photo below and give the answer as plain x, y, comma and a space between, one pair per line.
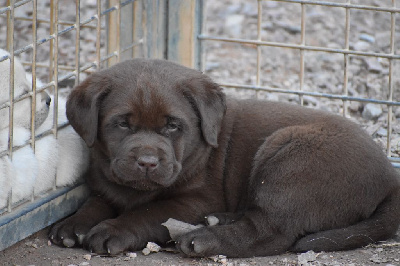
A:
70, 232
198, 243
109, 237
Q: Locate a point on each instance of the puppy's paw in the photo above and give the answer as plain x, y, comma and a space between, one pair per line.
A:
69, 233
199, 243
110, 238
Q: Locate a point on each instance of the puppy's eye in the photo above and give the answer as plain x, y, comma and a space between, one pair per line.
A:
123, 125
172, 126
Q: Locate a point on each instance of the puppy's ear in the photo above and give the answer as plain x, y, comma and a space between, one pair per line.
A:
83, 107
209, 102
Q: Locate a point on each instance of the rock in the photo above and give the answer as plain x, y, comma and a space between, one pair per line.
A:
382, 132
292, 29
354, 106
375, 258
267, 25
146, 251
87, 256
371, 111
234, 25
131, 255
397, 112
367, 38
361, 46
153, 247
373, 66
304, 258
219, 258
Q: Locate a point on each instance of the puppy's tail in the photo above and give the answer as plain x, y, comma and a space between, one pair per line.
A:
381, 225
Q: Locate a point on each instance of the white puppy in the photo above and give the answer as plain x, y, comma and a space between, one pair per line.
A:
22, 86
58, 161
61, 161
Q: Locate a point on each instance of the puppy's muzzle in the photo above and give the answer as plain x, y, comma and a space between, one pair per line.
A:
46, 98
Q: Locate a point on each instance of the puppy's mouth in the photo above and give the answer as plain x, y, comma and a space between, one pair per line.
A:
127, 173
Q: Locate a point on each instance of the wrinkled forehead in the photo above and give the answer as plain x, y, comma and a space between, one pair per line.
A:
147, 104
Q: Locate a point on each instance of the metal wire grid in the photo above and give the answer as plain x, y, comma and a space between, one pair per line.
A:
53, 67
346, 51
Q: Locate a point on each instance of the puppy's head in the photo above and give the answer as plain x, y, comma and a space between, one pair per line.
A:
148, 117
22, 87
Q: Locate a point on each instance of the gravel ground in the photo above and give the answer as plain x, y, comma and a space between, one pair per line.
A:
235, 63
36, 250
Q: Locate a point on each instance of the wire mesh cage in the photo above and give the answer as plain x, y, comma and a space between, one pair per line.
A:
313, 53
47, 48
336, 55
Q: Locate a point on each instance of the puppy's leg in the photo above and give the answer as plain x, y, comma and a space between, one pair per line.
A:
250, 236
257, 232
71, 231
305, 179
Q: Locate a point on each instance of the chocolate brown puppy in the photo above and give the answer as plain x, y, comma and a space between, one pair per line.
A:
165, 143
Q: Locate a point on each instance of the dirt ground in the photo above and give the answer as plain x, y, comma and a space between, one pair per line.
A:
233, 63
36, 250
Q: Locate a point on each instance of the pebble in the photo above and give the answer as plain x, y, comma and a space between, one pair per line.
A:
361, 46
87, 256
151, 247
131, 254
367, 38
373, 66
397, 113
381, 132
304, 258
371, 111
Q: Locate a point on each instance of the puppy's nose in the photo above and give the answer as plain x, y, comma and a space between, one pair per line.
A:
46, 97
48, 100
147, 163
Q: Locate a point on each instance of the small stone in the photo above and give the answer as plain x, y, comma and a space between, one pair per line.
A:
292, 29
354, 106
397, 113
371, 111
153, 247
304, 258
84, 263
375, 258
373, 66
367, 38
381, 132
361, 46
146, 251
131, 254
87, 256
